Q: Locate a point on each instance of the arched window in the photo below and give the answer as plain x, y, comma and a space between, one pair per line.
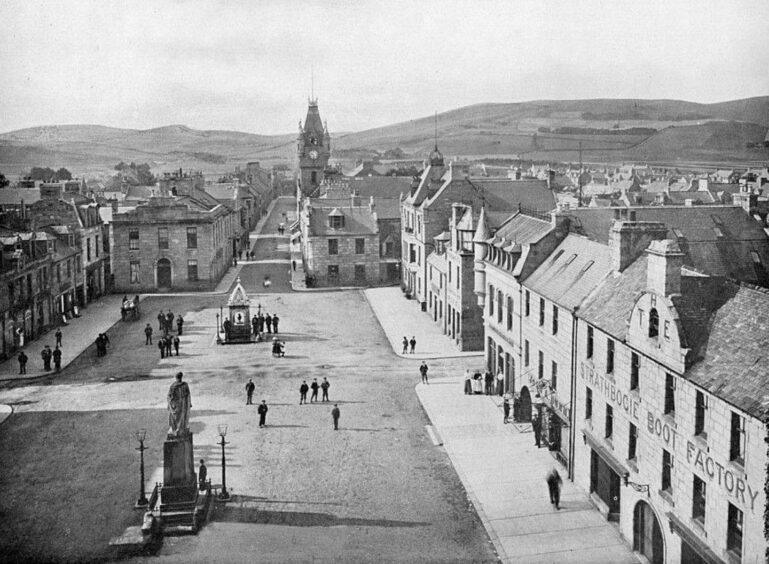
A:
654, 323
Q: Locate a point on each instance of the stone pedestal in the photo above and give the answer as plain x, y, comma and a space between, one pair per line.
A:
179, 480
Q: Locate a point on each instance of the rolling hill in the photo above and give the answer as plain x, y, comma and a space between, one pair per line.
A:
606, 129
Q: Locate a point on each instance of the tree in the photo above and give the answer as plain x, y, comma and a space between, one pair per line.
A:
45, 174
4, 182
63, 174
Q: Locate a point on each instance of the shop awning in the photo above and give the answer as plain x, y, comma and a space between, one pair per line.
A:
296, 235
694, 541
605, 453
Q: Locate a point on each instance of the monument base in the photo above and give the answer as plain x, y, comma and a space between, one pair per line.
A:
178, 463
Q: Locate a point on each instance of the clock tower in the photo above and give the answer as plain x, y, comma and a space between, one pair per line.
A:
313, 149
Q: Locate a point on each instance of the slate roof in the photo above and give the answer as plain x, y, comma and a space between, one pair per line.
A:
385, 208
381, 186
697, 230
572, 271
521, 229
358, 221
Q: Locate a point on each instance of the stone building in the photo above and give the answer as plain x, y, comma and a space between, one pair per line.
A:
172, 242
313, 150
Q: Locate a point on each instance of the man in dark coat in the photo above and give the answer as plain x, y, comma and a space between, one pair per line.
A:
58, 337
262, 413
489, 380
314, 387
506, 409
46, 354
554, 482
255, 325
162, 346
275, 320
335, 416
250, 387
303, 389
405, 345
148, 335
423, 371
179, 324
536, 426
177, 340
169, 343
202, 475
22, 363
268, 322
57, 359
325, 385
161, 320
413, 343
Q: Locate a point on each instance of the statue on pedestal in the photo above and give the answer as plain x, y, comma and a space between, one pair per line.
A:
179, 404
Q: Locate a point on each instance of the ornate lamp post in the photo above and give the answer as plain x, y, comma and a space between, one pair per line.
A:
224, 495
218, 338
140, 435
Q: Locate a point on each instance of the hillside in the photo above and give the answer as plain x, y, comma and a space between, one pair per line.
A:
606, 129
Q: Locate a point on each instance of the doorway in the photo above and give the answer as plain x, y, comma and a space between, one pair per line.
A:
647, 535
164, 273
525, 409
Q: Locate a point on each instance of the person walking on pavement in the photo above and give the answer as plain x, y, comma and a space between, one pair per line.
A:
148, 335
554, 482
179, 324
22, 362
405, 345
58, 337
202, 475
506, 409
314, 388
413, 343
303, 389
423, 371
255, 325
177, 341
162, 347
250, 387
263, 413
275, 320
169, 343
57, 359
268, 322
46, 355
536, 426
335, 416
161, 320
325, 385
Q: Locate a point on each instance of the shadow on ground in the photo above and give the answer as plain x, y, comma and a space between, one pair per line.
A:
232, 514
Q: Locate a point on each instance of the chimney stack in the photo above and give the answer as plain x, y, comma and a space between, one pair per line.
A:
628, 239
663, 272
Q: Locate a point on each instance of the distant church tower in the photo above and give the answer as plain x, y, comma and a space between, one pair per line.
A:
313, 149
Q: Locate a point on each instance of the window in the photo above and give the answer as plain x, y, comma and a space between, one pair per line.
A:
554, 375
88, 249
192, 270
133, 239
458, 278
360, 246
541, 365
360, 272
667, 471
737, 439
700, 406
666, 330
588, 403
589, 352
134, 272
528, 304
449, 274
555, 319
670, 397
333, 272
58, 273
491, 301
654, 323
609, 422
499, 307
96, 246
162, 237
389, 248
336, 221
609, 356
192, 237
698, 500
734, 530
632, 442
509, 313
541, 312
526, 353
333, 246
79, 264
635, 369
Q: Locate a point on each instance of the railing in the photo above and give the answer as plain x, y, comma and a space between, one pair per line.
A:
155, 496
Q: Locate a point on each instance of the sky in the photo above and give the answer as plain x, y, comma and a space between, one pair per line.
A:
249, 65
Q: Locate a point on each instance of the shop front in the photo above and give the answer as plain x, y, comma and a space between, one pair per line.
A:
606, 475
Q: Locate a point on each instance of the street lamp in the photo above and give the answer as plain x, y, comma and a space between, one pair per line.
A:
218, 338
224, 495
140, 435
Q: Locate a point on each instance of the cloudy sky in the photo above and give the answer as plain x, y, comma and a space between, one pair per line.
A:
247, 65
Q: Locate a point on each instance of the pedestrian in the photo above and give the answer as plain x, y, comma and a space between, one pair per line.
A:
22, 362
58, 337
275, 320
46, 354
179, 324
105, 343
413, 343
255, 325
554, 482
268, 322
303, 389
405, 345
162, 347
335, 416
500, 383
423, 372
98, 344
325, 385
161, 320
202, 475
489, 379
263, 413
169, 321
260, 320
177, 341
536, 426
250, 387
506, 409
148, 335
57, 359
169, 343
314, 388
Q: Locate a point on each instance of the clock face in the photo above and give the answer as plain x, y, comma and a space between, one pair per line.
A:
313, 155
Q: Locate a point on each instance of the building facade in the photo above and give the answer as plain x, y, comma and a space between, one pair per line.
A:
313, 150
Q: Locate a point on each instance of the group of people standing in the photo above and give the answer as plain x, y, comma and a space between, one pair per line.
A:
409, 343
47, 355
166, 322
260, 321
102, 342
304, 388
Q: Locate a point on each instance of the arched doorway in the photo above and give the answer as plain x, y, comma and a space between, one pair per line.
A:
164, 273
647, 534
525, 405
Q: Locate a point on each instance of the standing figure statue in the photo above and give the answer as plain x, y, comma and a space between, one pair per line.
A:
179, 404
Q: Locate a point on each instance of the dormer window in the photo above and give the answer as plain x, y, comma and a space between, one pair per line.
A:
335, 220
654, 323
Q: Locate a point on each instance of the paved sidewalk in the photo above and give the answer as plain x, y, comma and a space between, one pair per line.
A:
400, 317
504, 476
79, 334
